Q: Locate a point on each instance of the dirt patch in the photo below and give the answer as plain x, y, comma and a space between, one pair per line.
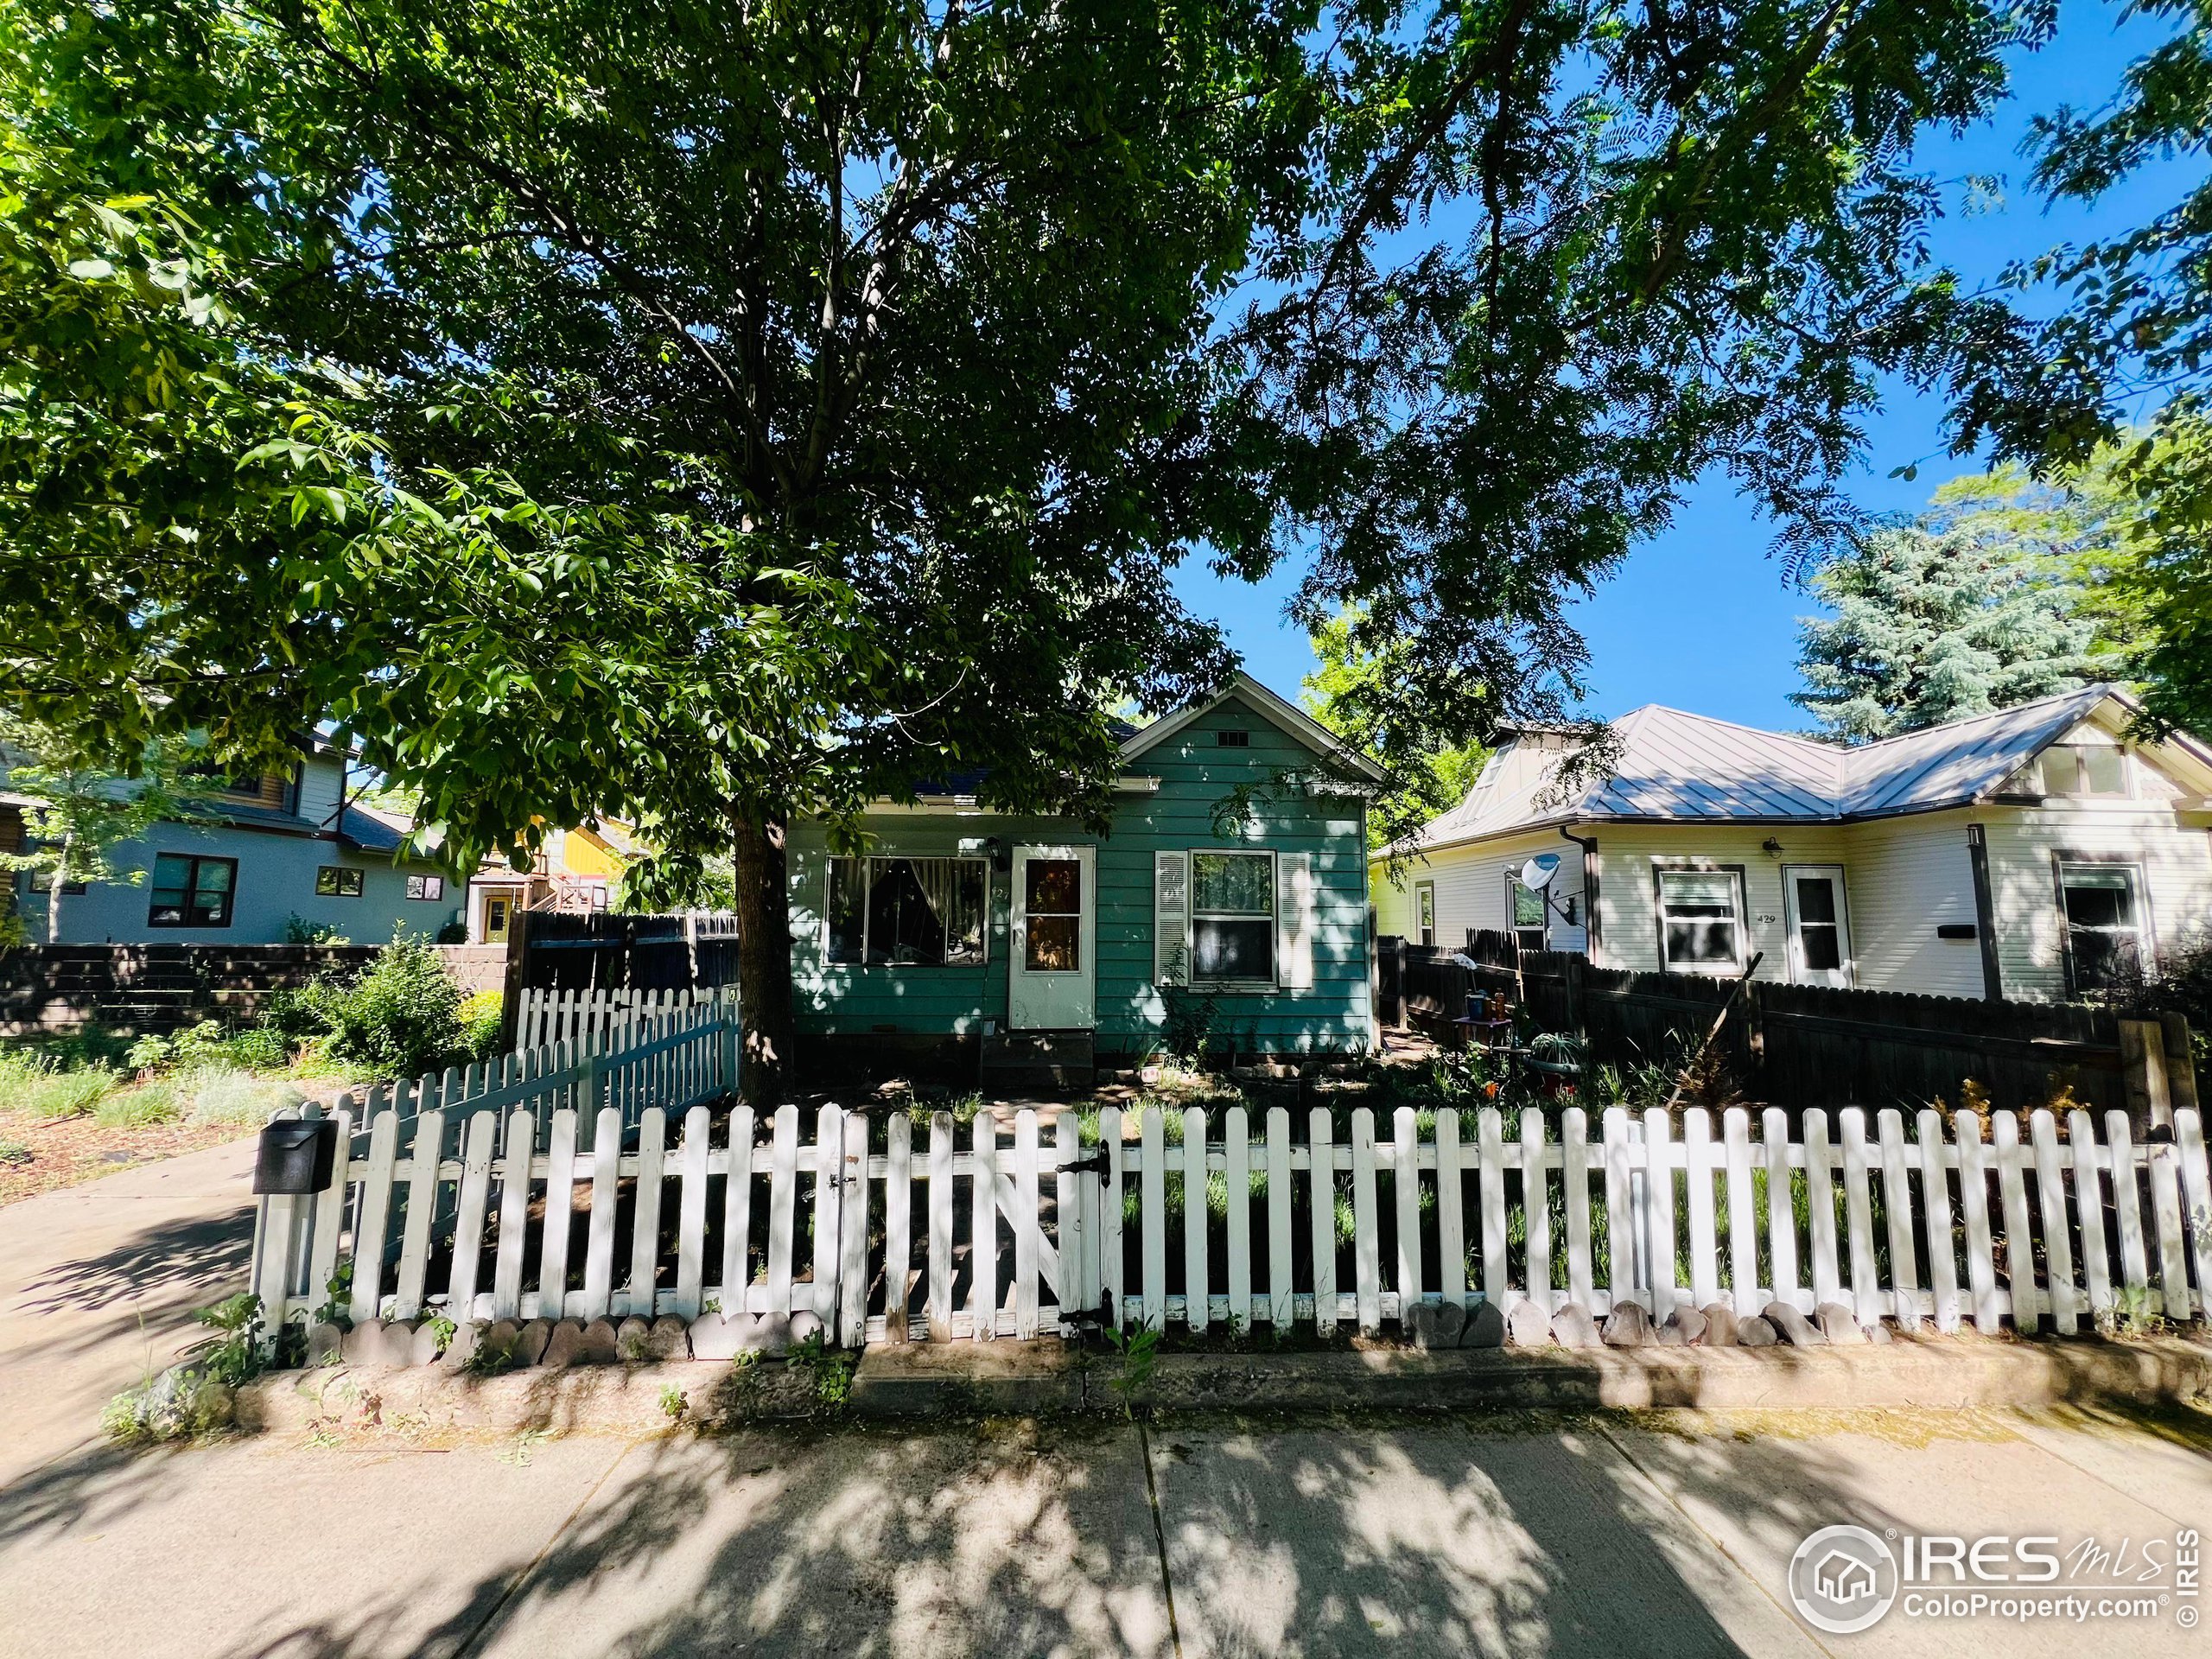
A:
43, 1154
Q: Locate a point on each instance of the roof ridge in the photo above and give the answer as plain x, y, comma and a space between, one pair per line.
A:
2102, 689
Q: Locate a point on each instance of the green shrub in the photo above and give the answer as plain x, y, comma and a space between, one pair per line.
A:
302, 1012
480, 1017
299, 931
402, 1017
36, 1085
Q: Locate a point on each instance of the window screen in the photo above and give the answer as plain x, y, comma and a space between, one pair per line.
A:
1701, 920
2104, 929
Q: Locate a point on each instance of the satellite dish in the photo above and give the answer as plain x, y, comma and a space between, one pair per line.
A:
1537, 872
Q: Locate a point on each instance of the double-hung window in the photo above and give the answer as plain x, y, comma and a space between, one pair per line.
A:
2104, 923
915, 911
1425, 911
1526, 905
1233, 918
192, 892
1700, 921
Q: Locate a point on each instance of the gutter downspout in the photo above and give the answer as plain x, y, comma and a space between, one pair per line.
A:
1589, 846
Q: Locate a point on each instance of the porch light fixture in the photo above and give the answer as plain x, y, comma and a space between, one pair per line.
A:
1771, 848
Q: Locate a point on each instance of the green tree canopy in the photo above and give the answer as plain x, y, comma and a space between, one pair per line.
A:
1957, 614
718, 416
1354, 693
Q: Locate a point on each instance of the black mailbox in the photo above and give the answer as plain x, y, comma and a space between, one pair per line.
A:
296, 1155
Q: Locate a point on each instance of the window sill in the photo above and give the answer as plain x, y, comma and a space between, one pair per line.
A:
1234, 987
1716, 970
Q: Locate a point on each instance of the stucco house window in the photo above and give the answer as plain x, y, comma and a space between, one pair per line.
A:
426, 887
1700, 921
192, 892
924, 913
336, 881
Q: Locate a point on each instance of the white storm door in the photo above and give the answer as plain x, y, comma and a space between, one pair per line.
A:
1051, 983
1820, 926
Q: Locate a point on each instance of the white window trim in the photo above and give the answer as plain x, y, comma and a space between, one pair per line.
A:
829, 866
1661, 868
1274, 980
1541, 926
2147, 942
1424, 890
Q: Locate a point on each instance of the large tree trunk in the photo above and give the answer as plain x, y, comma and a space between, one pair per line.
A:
764, 957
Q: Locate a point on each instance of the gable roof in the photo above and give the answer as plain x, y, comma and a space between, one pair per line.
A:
1278, 710
1674, 767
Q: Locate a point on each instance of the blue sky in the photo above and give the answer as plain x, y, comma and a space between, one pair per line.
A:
1699, 617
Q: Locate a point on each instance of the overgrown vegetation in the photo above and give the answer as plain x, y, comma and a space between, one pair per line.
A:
196, 1397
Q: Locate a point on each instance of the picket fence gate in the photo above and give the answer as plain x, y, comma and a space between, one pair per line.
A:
545, 1016
2058, 1226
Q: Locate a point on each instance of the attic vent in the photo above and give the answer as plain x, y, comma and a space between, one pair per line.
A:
1232, 739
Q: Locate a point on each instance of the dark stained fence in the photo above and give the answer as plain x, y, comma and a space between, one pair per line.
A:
1792, 1046
552, 951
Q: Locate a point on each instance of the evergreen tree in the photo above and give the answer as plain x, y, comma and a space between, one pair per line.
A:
1949, 616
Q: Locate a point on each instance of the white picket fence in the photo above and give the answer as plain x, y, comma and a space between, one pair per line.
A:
873, 1223
546, 1017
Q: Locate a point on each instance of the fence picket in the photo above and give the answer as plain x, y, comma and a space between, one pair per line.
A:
1697, 1166
1535, 1200
560, 1214
599, 1233
645, 1231
1859, 1216
897, 1224
1974, 1201
852, 1230
2019, 1250
2196, 1191
1236, 1176
737, 1214
1574, 1174
1743, 1215
375, 1213
1620, 1206
1781, 1212
483, 1135
828, 1217
1820, 1196
330, 1205
2165, 1210
514, 1170
422, 1208
1405, 1192
1896, 1214
2127, 1204
691, 1215
983, 1231
1367, 1233
1025, 1223
1195, 1299
1281, 1307
1152, 1192
2050, 1199
1110, 1271
1935, 1204
1450, 1219
1659, 1187
1321, 1179
1489, 1154
2089, 1205
941, 1226
783, 1209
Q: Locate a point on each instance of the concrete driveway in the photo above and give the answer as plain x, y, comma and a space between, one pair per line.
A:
98, 1283
1605, 1536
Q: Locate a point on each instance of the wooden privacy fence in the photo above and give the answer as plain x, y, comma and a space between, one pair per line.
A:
881, 1227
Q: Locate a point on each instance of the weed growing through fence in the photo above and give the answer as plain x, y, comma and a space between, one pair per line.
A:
2132, 1318
1139, 1353
197, 1397
672, 1403
491, 1358
337, 1296
442, 1331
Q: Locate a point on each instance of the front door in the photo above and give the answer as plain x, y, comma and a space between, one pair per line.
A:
499, 912
1820, 927
1053, 979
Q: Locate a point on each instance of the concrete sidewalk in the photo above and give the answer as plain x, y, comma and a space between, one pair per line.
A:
1608, 1534
98, 1283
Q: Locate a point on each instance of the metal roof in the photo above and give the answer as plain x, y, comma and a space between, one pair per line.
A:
1678, 767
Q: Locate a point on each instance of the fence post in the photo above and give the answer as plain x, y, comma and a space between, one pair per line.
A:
517, 977
2181, 1060
589, 1087
2143, 1067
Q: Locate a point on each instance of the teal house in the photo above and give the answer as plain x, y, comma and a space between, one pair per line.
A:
1234, 872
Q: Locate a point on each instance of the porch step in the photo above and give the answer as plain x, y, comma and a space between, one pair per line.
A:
1015, 1060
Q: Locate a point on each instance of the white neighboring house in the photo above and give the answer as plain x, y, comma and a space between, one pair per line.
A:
2021, 854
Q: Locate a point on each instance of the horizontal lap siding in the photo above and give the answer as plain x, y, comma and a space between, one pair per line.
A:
2176, 861
1195, 773
1905, 878
1471, 887
1628, 892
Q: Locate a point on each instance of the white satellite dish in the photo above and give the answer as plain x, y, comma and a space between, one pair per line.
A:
1536, 874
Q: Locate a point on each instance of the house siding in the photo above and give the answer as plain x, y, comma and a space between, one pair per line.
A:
1470, 888
275, 880
1195, 774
